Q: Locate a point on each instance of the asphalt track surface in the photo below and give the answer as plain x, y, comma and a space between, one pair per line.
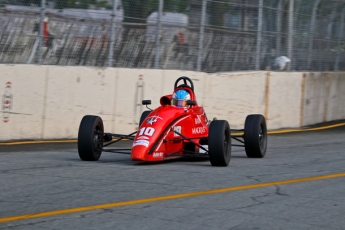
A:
300, 184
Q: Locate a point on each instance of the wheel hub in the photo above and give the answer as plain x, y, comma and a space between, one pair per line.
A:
95, 141
226, 144
261, 137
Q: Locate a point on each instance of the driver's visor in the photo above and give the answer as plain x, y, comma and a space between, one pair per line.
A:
179, 102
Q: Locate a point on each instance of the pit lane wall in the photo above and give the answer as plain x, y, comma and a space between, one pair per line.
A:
48, 102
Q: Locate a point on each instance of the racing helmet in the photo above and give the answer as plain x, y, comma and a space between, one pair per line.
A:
180, 98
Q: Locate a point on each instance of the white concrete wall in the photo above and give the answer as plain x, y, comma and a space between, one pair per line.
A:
315, 98
133, 86
48, 102
232, 96
72, 93
285, 91
27, 92
336, 97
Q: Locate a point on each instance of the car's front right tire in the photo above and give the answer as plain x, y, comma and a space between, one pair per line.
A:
143, 116
90, 138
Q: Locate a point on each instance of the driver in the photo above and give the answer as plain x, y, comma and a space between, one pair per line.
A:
180, 98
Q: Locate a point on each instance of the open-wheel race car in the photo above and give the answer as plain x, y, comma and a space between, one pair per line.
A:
178, 128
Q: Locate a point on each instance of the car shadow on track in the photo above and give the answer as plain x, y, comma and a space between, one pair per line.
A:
124, 160
197, 161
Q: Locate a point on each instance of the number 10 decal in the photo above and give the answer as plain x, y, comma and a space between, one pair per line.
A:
147, 131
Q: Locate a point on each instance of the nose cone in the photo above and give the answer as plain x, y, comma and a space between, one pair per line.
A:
139, 152
149, 138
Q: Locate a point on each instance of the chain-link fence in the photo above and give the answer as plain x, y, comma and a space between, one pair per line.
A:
204, 35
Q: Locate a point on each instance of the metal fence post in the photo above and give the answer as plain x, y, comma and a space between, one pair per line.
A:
311, 33
259, 36
40, 35
279, 27
291, 33
340, 39
158, 33
201, 35
112, 34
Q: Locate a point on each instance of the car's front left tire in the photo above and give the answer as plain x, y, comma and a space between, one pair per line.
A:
255, 136
219, 143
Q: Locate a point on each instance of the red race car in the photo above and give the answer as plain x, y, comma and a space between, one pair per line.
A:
178, 128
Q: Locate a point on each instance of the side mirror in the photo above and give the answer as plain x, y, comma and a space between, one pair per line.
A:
190, 102
146, 102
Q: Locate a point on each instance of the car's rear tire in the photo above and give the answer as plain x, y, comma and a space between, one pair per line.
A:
143, 116
90, 138
219, 143
255, 136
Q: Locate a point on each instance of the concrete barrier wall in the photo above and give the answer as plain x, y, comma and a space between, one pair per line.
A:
133, 86
48, 102
22, 90
284, 100
315, 98
324, 97
72, 93
336, 97
232, 96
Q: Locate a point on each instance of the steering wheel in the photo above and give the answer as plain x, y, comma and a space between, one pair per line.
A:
186, 80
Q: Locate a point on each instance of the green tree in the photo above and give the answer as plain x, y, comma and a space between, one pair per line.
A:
2, 4
29, 2
217, 10
81, 4
85, 4
136, 11
178, 6
61, 4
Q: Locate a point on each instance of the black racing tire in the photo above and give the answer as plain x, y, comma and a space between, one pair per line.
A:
143, 116
90, 138
219, 143
255, 136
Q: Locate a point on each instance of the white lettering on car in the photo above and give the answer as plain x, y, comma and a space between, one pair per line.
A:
158, 154
141, 142
198, 130
177, 129
147, 131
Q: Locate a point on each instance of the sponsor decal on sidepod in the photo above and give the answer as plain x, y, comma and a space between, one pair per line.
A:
177, 129
141, 142
199, 130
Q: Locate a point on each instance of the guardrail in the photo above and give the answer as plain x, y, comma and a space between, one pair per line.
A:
48, 102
